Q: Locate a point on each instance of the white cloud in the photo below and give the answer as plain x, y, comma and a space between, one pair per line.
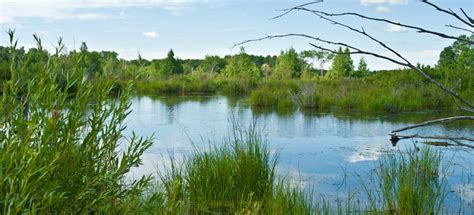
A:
396, 28
10, 10
151, 34
398, 2
382, 9
91, 16
382, 2
369, 2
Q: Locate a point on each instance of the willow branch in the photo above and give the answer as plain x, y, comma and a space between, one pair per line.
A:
430, 122
450, 12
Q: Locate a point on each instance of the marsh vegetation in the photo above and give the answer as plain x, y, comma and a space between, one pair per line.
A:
63, 118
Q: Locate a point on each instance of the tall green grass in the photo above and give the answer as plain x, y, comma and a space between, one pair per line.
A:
380, 92
274, 93
237, 176
409, 183
198, 83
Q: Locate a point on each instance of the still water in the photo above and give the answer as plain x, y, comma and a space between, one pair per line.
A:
329, 152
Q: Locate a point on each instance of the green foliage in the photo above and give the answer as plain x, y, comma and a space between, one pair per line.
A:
342, 65
322, 56
241, 67
409, 183
236, 177
196, 83
457, 61
288, 65
61, 142
212, 64
169, 66
274, 94
240, 74
362, 68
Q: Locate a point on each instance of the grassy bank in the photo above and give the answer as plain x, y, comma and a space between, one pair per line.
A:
381, 92
390, 92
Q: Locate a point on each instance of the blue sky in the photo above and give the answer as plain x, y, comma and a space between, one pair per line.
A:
194, 28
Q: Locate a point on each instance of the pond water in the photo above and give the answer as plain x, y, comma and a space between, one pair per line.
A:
329, 152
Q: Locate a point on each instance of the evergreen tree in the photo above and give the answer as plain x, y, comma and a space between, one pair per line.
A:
83, 47
170, 65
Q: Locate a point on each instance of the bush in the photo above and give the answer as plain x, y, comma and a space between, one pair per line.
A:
62, 150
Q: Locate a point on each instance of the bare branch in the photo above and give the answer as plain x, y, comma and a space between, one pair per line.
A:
289, 10
408, 63
442, 120
450, 12
459, 28
418, 29
357, 50
442, 87
453, 139
467, 109
471, 20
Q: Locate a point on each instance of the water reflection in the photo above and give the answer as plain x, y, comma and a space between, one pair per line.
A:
317, 146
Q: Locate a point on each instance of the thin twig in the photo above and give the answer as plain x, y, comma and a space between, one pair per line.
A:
357, 50
459, 28
289, 10
450, 12
468, 17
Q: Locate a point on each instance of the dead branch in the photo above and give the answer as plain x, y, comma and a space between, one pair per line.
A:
459, 28
289, 10
418, 29
357, 50
452, 13
430, 122
407, 63
453, 139
471, 20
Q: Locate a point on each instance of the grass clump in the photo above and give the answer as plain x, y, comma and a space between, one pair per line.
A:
197, 83
409, 183
237, 177
274, 93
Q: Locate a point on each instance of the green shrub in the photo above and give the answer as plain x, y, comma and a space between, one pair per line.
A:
62, 150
